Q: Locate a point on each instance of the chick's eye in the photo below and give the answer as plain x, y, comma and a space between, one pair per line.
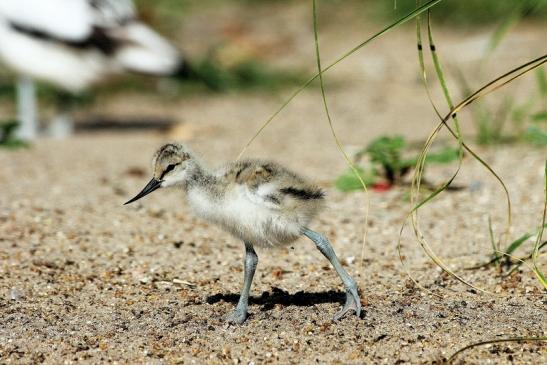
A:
168, 169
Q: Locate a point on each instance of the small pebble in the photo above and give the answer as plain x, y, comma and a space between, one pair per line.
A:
15, 294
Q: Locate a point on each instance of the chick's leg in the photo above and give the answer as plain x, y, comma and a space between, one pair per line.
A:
239, 315
353, 303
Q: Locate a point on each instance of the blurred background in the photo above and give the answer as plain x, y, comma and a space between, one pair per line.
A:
246, 56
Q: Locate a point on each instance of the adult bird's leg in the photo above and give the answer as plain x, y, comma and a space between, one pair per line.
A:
239, 315
62, 124
27, 110
353, 303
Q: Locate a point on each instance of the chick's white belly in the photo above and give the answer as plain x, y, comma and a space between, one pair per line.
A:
261, 226
249, 218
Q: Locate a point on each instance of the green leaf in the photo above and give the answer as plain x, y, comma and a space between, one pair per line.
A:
446, 155
349, 182
387, 151
516, 243
536, 136
7, 135
540, 116
519, 241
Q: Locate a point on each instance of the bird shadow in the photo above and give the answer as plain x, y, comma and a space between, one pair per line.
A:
268, 300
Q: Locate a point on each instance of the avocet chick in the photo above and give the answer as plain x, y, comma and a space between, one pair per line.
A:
259, 202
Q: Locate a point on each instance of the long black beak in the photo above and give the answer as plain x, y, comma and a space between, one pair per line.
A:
150, 187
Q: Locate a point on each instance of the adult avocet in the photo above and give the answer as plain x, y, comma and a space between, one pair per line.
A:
74, 44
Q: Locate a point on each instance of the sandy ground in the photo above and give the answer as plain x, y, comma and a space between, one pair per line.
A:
83, 278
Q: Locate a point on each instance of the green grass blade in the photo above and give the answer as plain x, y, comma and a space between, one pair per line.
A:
541, 80
488, 88
416, 182
517, 243
493, 241
422, 62
537, 271
387, 29
502, 30
333, 131
448, 98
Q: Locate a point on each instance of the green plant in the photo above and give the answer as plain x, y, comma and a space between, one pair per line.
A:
243, 75
7, 135
349, 182
388, 162
416, 200
511, 121
522, 119
387, 152
506, 259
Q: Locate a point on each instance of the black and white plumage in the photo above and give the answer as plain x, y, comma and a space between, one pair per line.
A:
76, 43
